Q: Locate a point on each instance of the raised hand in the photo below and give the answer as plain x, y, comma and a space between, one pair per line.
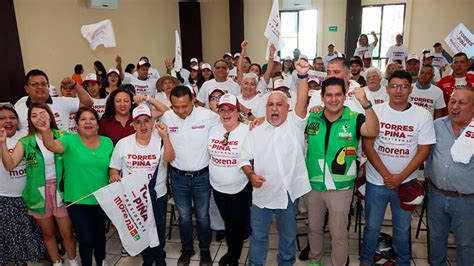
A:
139, 99
118, 59
3, 135
360, 95
162, 130
168, 64
272, 50
302, 66
68, 83
244, 45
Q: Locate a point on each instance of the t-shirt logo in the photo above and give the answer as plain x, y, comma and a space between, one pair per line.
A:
345, 135
312, 128
31, 159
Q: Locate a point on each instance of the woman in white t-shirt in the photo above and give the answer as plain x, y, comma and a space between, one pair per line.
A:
92, 84
144, 152
364, 46
231, 189
112, 81
250, 98
164, 85
20, 238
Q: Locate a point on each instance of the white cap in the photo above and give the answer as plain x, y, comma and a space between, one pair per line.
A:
236, 55
287, 58
143, 63
331, 44
195, 67
113, 70
276, 58
280, 83
413, 56
193, 60
206, 66
141, 109
227, 54
229, 100
425, 50
367, 54
302, 56
216, 89
315, 80
427, 55
91, 77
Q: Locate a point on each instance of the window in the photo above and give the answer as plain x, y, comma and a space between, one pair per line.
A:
387, 21
299, 30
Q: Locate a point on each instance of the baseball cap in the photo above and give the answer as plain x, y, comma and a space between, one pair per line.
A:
413, 56
276, 58
229, 100
141, 110
303, 56
313, 79
280, 83
195, 67
143, 63
428, 55
411, 194
216, 89
236, 55
331, 44
227, 54
91, 77
287, 58
425, 50
206, 66
367, 54
193, 60
113, 70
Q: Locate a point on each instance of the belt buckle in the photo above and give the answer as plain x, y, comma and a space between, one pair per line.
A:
189, 174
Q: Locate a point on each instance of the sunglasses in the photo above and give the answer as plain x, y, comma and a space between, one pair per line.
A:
226, 139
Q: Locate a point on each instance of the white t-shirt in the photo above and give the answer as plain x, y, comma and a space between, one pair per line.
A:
262, 86
376, 97
360, 51
142, 87
12, 182
161, 96
189, 137
431, 98
60, 106
228, 86
397, 53
49, 165
99, 106
53, 92
398, 139
152, 73
131, 157
439, 60
224, 174
256, 104
232, 73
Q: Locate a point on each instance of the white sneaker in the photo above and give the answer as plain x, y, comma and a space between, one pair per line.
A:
104, 263
58, 263
73, 262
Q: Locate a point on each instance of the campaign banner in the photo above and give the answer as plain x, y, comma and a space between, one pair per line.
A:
127, 205
99, 33
461, 40
319, 75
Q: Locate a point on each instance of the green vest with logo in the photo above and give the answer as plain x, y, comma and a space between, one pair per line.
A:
35, 190
338, 162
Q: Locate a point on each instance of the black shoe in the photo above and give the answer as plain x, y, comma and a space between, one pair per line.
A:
185, 257
205, 258
220, 235
304, 255
227, 260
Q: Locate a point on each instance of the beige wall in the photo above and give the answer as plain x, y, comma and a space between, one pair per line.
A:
50, 36
215, 29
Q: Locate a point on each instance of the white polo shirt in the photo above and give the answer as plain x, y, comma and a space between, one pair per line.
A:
12, 182
278, 157
60, 106
229, 86
189, 137
224, 174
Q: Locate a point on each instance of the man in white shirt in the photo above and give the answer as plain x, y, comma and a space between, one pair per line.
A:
413, 66
427, 95
332, 53
232, 73
220, 80
428, 60
189, 173
394, 157
152, 72
374, 90
279, 178
143, 84
439, 61
319, 64
398, 51
37, 88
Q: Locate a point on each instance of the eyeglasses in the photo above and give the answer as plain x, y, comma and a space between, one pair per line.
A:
38, 84
214, 98
226, 139
401, 86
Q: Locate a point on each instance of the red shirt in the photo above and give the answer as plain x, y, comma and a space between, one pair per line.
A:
447, 83
113, 129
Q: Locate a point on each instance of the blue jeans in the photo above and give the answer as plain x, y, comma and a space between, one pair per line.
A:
446, 214
261, 219
158, 254
376, 200
192, 195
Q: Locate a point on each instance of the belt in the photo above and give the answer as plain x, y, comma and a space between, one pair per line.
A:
189, 174
451, 194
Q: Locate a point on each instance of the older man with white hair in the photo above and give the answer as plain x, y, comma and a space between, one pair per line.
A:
374, 90
278, 175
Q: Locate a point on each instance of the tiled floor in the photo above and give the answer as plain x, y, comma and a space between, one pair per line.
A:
173, 246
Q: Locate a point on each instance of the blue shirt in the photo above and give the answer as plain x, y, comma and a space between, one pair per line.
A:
441, 169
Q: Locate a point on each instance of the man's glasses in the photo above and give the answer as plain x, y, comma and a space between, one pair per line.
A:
214, 98
38, 84
401, 86
226, 139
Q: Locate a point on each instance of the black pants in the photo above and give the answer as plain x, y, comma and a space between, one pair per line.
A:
89, 224
157, 254
235, 211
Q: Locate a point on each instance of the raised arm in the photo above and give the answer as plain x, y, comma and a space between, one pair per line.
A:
168, 150
10, 161
370, 128
302, 68
160, 108
168, 65
268, 73
84, 97
244, 45
118, 66
376, 40
49, 142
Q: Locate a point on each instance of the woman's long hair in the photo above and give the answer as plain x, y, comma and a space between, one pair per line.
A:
52, 121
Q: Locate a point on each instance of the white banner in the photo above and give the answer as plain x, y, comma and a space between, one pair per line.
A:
127, 206
461, 40
273, 29
178, 62
319, 75
99, 33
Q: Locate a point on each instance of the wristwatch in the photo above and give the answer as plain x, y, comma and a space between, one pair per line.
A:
368, 106
249, 114
302, 76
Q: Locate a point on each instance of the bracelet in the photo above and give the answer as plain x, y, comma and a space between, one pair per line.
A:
368, 106
302, 76
249, 114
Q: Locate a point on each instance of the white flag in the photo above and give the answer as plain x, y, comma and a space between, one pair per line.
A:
99, 33
178, 58
127, 206
461, 40
273, 29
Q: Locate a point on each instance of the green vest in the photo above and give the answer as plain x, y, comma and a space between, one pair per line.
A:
339, 160
35, 190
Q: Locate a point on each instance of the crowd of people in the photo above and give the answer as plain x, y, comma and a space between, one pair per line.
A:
267, 141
